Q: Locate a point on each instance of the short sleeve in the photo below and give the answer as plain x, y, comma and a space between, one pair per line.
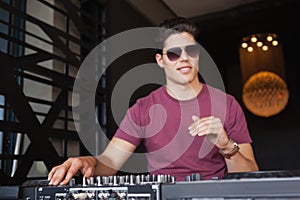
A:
236, 124
130, 129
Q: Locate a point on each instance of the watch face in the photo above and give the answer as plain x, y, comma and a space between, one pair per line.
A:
236, 145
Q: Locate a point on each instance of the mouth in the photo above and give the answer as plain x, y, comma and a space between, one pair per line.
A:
184, 69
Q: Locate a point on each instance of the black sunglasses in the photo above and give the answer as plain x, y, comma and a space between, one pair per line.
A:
174, 53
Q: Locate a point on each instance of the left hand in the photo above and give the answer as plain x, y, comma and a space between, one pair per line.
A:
212, 128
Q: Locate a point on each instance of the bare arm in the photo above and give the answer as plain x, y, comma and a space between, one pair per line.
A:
212, 128
113, 158
108, 163
243, 161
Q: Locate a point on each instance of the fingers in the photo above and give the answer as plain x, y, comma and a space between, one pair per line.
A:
57, 174
74, 168
61, 174
206, 125
195, 118
67, 178
88, 172
51, 173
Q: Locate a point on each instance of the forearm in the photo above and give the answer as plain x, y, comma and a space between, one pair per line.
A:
105, 166
113, 158
239, 158
239, 163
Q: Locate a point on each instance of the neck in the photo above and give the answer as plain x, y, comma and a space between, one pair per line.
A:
184, 92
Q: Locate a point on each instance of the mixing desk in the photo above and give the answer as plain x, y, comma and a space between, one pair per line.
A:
263, 185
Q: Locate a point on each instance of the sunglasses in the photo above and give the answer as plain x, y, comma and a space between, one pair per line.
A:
174, 53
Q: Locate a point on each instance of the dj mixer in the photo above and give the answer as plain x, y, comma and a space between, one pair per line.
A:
262, 185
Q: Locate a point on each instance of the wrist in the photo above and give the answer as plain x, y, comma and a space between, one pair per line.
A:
230, 150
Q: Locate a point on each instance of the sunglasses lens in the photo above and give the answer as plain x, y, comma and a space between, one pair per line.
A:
174, 53
192, 50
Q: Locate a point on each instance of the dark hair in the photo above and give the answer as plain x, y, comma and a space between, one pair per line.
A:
172, 26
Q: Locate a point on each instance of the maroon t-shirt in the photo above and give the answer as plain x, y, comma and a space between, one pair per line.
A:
162, 123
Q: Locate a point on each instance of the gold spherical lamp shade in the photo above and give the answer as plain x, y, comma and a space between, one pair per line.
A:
265, 94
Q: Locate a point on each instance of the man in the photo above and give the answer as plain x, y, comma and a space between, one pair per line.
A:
186, 126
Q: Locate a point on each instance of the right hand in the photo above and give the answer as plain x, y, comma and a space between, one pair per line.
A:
61, 174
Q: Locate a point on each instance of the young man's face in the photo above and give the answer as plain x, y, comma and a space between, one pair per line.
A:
180, 59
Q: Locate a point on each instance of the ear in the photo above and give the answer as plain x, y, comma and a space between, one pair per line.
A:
159, 60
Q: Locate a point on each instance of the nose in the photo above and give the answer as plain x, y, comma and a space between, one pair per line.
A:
183, 55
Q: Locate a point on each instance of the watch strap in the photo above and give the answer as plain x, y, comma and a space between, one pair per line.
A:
234, 150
